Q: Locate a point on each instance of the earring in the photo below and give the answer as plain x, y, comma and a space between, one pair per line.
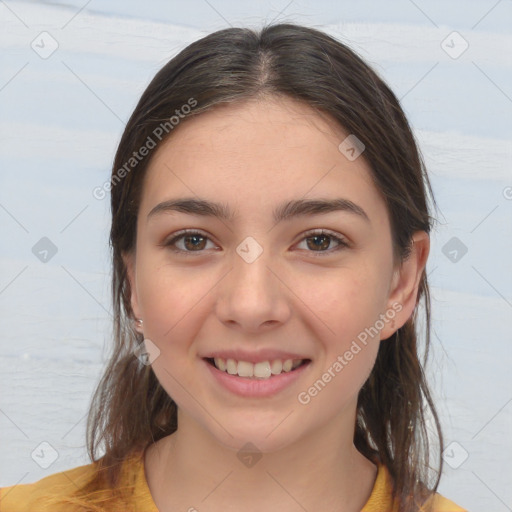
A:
139, 323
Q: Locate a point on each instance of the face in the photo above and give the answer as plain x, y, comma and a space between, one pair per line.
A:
263, 283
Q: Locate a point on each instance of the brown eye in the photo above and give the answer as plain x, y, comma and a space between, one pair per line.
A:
320, 242
193, 241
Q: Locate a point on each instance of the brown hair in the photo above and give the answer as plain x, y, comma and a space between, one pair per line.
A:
130, 409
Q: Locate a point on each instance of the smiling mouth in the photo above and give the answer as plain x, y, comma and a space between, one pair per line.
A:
261, 370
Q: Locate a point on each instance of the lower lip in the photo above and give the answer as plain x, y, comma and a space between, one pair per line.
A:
253, 387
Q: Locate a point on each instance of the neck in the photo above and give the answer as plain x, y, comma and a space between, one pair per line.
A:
321, 471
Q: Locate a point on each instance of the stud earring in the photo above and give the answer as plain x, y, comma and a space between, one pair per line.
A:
139, 322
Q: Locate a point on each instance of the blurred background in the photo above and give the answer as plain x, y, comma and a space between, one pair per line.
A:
71, 73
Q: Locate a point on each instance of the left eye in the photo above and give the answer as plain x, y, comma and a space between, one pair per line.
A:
322, 240
195, 241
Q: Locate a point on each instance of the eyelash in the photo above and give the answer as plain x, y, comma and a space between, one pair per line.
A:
342, 243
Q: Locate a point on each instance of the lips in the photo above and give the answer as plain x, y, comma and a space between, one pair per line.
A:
255, 387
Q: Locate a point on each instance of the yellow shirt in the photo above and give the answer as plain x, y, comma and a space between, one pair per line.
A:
30, 497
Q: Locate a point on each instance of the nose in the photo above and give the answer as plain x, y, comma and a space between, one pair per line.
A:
253, 295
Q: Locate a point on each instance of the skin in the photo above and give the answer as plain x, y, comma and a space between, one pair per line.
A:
253, 156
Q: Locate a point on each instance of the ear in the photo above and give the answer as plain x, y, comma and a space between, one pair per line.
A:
129, 262
405, 283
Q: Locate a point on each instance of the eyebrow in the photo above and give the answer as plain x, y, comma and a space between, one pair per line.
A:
285, 211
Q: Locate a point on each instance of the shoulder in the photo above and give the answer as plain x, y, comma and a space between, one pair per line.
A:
442, 504
381, 497
30, 497
58, 492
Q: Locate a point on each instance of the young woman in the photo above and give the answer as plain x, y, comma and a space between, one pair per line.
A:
270, 233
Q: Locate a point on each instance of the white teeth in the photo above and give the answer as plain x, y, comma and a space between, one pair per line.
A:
245, 369
277, 367
220, 364
232, 366
296, 363
261, 370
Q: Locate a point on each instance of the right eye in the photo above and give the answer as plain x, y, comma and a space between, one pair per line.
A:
193, 240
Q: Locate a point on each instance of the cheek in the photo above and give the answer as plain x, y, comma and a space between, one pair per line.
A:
350, 307
170, 303
167, 295
346, 301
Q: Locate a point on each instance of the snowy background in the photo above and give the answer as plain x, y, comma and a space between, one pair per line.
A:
62, 115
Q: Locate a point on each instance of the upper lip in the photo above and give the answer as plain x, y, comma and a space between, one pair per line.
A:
253, 357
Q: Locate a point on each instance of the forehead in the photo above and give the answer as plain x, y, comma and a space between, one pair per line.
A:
255, 154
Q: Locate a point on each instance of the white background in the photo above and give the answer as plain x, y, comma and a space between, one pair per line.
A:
61, 119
